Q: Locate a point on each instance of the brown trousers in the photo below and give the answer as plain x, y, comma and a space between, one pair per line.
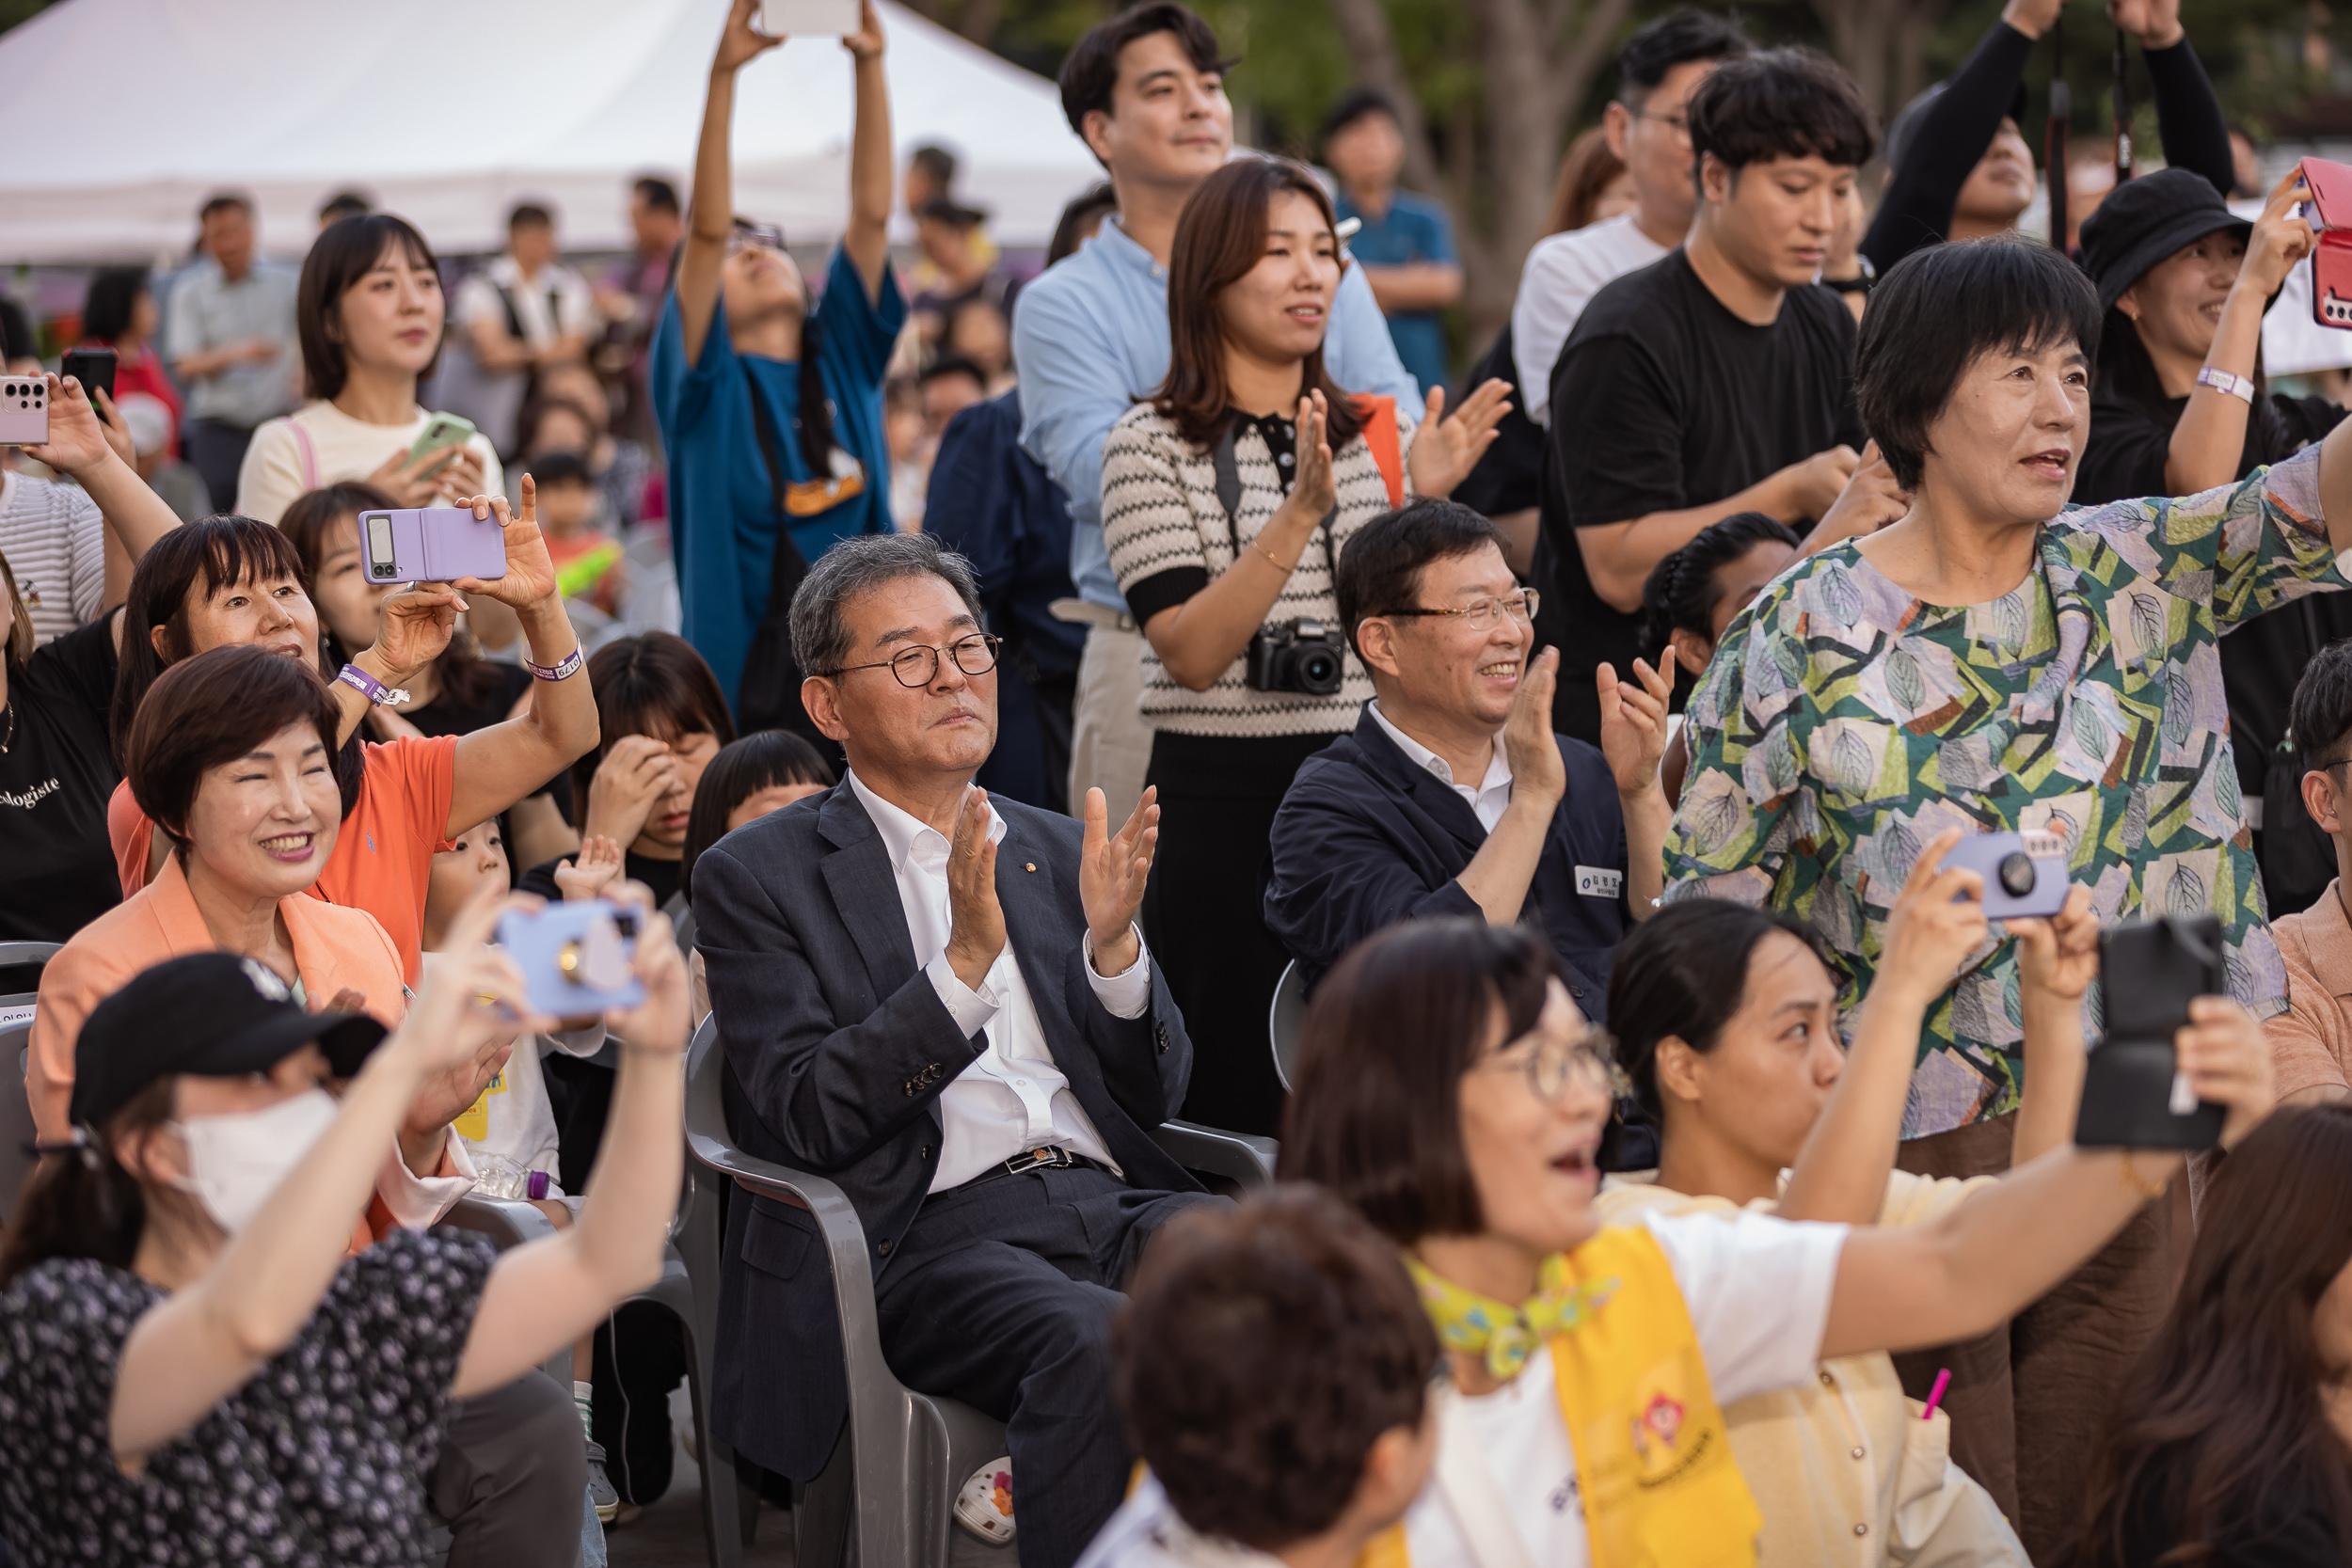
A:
2028, 1402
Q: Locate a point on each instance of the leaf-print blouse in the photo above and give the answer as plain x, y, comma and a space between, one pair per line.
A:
1843, 724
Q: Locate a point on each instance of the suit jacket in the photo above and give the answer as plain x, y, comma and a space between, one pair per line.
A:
1365, 838
837, 1049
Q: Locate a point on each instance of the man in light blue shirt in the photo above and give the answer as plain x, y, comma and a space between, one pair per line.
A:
1146, 92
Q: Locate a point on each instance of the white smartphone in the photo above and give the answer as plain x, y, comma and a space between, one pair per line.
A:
23, 411
808, 17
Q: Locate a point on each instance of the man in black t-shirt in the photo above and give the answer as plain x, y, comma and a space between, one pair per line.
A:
1718, 380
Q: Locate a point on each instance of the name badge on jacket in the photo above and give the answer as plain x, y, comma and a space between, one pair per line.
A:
1595, 881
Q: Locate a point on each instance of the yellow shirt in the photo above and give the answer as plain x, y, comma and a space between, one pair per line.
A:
1826, 1462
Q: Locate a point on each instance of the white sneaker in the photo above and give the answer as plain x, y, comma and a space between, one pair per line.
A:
984, 1507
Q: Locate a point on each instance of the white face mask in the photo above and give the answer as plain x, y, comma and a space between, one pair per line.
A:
235, 1162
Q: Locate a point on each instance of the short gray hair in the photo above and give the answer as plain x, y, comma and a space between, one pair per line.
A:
821, 637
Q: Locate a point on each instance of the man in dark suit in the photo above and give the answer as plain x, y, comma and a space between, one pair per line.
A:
944, 1004
1453, 796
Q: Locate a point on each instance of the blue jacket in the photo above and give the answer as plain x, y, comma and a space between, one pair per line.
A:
1365, 839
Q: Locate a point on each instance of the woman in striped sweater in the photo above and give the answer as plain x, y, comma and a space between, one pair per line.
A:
1226, 502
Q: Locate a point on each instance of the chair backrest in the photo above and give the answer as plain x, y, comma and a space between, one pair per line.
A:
17, 1006
16, 1123
1284, 1016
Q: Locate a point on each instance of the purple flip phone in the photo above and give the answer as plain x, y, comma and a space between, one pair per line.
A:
2024, 874
431, 543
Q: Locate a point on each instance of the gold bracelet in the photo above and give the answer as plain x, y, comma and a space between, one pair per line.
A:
2131, 1179
1275, 559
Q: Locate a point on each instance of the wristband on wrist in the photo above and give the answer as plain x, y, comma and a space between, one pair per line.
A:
369, 686
2222, 381
567, 666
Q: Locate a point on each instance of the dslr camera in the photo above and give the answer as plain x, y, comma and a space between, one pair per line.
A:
1304, 655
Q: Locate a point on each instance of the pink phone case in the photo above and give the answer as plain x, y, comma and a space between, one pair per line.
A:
23, 411
430, 543
2331, 255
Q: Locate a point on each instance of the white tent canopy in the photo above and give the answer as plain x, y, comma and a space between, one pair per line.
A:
122, 116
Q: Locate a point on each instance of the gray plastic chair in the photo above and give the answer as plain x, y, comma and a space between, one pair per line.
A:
887, 1494
1284, 1016
12, 954
16, 1127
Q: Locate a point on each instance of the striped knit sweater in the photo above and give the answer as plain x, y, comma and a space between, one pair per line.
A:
1167, 539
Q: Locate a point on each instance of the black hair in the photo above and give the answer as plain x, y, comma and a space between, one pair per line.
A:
344, 204
343, 254
114, 295
1381, 565
1353, 104
761, 760
1669, 980
1681, 593
658, 193
653, 684
83, 1203
951, 364
2320, 718
560, 468
1670, 41
1780, 104
16, 332
1090, 72
2127, 374
224, 201
1943, 305
935, 161
528, 215
1090, 206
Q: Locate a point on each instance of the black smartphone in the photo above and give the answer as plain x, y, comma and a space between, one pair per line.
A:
2148, 971
94, 368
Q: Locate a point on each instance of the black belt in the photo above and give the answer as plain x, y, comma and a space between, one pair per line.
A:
1046, 1157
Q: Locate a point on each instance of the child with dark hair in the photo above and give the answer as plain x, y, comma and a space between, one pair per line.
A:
747, 780
2311, 1040
1718, 380
1273, 1368
588, 562
1692, 597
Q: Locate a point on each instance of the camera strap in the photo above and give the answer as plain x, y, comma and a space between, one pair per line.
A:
1229, 497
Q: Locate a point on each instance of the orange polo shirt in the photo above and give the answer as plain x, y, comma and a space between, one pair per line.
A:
2310, 1044
333, 948
383, 857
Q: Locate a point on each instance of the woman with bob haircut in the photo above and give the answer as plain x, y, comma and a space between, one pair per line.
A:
230, 580
1226, 502
369, 312
1450, 1091
2230, 1442
195, 1365
1992, 662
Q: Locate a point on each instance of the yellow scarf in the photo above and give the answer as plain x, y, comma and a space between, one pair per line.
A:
1653, 1457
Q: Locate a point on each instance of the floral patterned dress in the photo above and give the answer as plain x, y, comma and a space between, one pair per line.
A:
1843, 724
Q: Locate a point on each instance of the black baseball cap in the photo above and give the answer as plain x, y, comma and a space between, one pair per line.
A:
2142, 221
212, 1014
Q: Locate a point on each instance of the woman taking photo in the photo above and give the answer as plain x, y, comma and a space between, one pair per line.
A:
1992, 662
1226, 502
197, 1368
2181, 407
457, 693
2230, 1443
369, 312
234, 580
1449, 1089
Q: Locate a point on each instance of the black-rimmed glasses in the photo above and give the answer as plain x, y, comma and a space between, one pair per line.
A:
1484, 614
918, 666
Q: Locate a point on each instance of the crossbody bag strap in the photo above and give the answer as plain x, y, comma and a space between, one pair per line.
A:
1229, 497
790, 564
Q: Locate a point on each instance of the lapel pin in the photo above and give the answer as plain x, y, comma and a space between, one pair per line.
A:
1028, 866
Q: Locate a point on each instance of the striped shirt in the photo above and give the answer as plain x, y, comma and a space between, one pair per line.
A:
54, 541
1169, 539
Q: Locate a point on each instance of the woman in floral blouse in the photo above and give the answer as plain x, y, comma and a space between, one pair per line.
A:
1993, 661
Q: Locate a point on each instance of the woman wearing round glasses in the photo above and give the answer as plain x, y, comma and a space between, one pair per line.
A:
1449, 1088
1226, 502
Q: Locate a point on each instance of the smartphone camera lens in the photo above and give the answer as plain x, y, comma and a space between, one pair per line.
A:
2016, 874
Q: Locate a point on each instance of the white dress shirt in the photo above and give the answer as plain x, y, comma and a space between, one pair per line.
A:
1488, 797
1012, 1097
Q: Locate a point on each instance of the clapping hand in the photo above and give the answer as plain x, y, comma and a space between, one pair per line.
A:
586, 878
976, 923
530, 577
1445, 451
1937, 922
1112, 872
1528, 745
2157, 24
1314, 490
1633, 721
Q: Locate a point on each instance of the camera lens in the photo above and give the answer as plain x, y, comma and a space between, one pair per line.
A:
2016, 874
1319, 671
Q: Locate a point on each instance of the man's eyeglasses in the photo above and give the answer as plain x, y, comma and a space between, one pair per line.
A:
918, 666
1484, 614
1552, 1062
1679, 124
745, 232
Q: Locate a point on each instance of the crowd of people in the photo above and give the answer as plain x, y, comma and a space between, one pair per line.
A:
1020, 687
